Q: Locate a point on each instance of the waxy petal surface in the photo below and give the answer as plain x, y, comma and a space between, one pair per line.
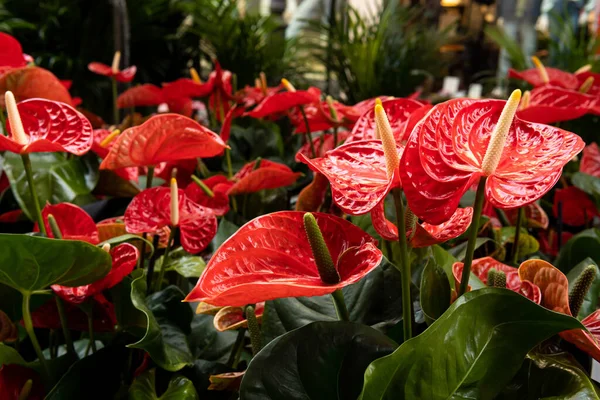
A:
146, 95
549, 104
590, 161
73, 222
269, 175
11, 52
32, 83
219, 185
284, 101
551, 281
270, 258
556, 77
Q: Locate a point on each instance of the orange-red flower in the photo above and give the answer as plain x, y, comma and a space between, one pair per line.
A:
590, 161
577, 208
267, 175
548, 104
33, 83
216, 198
113, 71
11, 53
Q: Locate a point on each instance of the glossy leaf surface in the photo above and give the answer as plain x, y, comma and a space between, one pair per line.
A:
144, 388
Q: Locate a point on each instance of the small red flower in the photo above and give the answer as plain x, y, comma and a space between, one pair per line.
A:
270, 257
49, 126
219, 201
549, 104
150, 211
268, 175
444, 156
74, 223
113, 71
146, 95
590, 161
556, 77
102, 149
514, 282
33, 83
162, 138
251, 96
577, 208
11, 53
284, 101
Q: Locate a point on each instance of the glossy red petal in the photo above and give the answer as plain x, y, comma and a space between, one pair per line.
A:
219, 185
284, 101
311, 198
507, 193
74, 223
184, 169
11, 53
583, 76
126, 75
587, 341
32, 83
322, 144
398, 112
552, 104
100, 69
413, 120
357, 174
146, 95
481, 267
231, 318
51, 126
234, 112
552, 282
162, 138
590, 161
269, 175
185, 87
317, 120
362, 107
99, 136
150, 211
181, 105
577, 208
534, 213
270, 257
556, 76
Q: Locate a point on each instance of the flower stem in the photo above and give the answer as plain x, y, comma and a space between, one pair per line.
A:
90, 318
477, 209
149, 179
163, 265
3, 122
34, 198
115, 108
308, 133
229, 167
335, 137
152, 263
407, 313
340, 305
236, 350
34, 342
60, 305
515, 247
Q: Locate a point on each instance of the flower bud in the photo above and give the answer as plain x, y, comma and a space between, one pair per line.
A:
16, 126
585, 68
174, 203
54, 227
491, 276
383, 131
580, 288
541, 69
116, 62
195, 76
586, 85
499, 135
106, 247
525, 100
332, 110
320, 252
286, 84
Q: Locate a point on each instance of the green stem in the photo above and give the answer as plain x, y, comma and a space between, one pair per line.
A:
90, 318
163, 265
150, 274
115, 108
515, 246
229, 166
335, 137
236, 350
149, 179
60, 305
407, 313
34, 342
31, 183
3, 122
308, 132
473, 230
340, 305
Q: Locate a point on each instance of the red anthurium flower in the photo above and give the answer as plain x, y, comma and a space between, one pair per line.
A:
47, 317
549, 104
281, 102
74, 223
48, 126
232, 318
322, 144
555, 77
362, 107
186, 87
150, 211
233, 113
113, 227
267, 175
124, 259
357, 174
113, 71
11, 53
251, 266
590, 161
577, 208
162, 138
549, 241
425, 234
11, 217
184, 169
594, 88
250, 96
101, 146
146, 95
13, 378
555, 296
398, 111
217, 199
312, 196
445, 153
535, 216
514, 281
33, 83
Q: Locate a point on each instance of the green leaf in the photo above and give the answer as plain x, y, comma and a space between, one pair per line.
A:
445, 259
581, 246
185, 264
459, 252
164, 340
323, 360
226, 229
480, 342
435, 292
8, 355
550, 376
57, 179
143, 388
29, 263
590, 300
111, 184
587, 183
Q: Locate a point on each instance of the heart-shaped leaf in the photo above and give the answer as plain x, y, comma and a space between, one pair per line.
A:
480, 342
185, 264
435, 291
581, 246
323, 360
143, 388
31, 263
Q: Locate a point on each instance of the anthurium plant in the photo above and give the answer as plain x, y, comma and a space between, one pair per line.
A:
389, 249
